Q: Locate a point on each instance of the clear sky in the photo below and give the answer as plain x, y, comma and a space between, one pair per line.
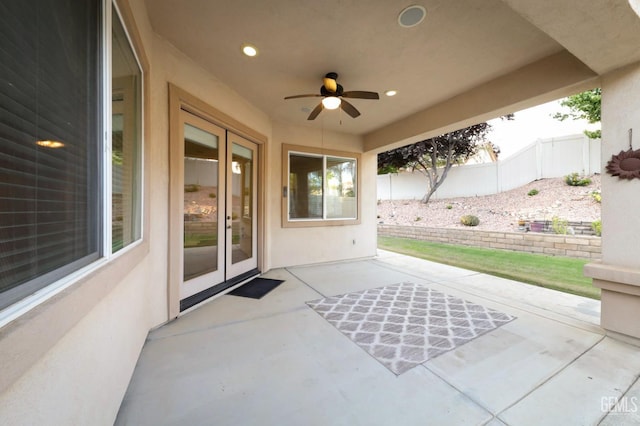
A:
532, 124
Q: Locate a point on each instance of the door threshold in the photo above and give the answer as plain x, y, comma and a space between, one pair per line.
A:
216, 291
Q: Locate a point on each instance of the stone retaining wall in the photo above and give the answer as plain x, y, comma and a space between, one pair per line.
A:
586, 247
578, 228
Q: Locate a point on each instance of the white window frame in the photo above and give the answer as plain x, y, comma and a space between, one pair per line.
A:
108, 248
289, 222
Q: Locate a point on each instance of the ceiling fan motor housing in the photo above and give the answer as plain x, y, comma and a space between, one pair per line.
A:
325, 92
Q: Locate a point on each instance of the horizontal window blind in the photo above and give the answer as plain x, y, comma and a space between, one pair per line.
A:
49, 142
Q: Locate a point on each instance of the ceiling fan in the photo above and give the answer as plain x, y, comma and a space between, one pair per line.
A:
332, 95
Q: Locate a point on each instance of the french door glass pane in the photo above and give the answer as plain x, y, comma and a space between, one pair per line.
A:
201, 202
242, 203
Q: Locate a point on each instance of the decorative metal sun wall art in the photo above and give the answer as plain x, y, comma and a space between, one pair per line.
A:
625, 165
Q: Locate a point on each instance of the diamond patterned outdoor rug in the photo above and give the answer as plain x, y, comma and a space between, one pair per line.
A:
406, 324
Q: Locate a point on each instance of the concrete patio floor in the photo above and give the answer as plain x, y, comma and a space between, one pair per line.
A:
275, 361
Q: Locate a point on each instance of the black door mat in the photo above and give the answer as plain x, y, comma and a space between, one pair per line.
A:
257, 288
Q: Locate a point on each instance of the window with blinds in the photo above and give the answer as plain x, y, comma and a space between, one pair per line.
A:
50, 156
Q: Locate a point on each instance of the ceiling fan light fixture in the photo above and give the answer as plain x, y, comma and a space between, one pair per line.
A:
411, 16
331, 102
249, 50
391, 92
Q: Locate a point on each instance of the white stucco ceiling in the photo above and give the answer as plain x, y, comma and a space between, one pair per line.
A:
460, 45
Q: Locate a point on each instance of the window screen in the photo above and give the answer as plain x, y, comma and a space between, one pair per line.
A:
49, 138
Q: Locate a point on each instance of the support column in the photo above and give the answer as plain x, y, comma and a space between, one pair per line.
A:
618, 275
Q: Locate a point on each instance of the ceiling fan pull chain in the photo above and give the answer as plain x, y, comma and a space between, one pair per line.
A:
322, 134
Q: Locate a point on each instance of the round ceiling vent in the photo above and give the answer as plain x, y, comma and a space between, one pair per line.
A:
412, 16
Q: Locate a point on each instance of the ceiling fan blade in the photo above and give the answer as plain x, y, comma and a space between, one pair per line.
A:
358, 94
315, 112
349, 109
314, 95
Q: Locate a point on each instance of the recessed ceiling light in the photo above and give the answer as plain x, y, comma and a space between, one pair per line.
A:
249, 50
411, 16
391, 92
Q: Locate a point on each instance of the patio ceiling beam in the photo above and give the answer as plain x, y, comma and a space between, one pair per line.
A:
603, 34
550, 78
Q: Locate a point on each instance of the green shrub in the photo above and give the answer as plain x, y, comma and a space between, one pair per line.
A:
596, 225
559, 226
418, 219
212, 195
574, 179
597, 196
469, 220
533, 192
191, 188
449, 206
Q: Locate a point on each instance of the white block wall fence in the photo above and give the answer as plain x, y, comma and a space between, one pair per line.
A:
545, 158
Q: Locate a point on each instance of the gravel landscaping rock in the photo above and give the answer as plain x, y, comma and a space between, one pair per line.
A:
499, 212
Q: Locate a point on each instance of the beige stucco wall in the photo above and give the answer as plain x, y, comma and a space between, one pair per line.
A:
621, 198
82, 379
98, 327
81, 376
70, 360
299, 246
550, 78
618, 275
171, 66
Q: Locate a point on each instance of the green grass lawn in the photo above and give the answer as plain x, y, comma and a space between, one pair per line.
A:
559, 273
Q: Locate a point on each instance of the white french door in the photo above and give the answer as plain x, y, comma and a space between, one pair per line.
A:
219, 235
242, 209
